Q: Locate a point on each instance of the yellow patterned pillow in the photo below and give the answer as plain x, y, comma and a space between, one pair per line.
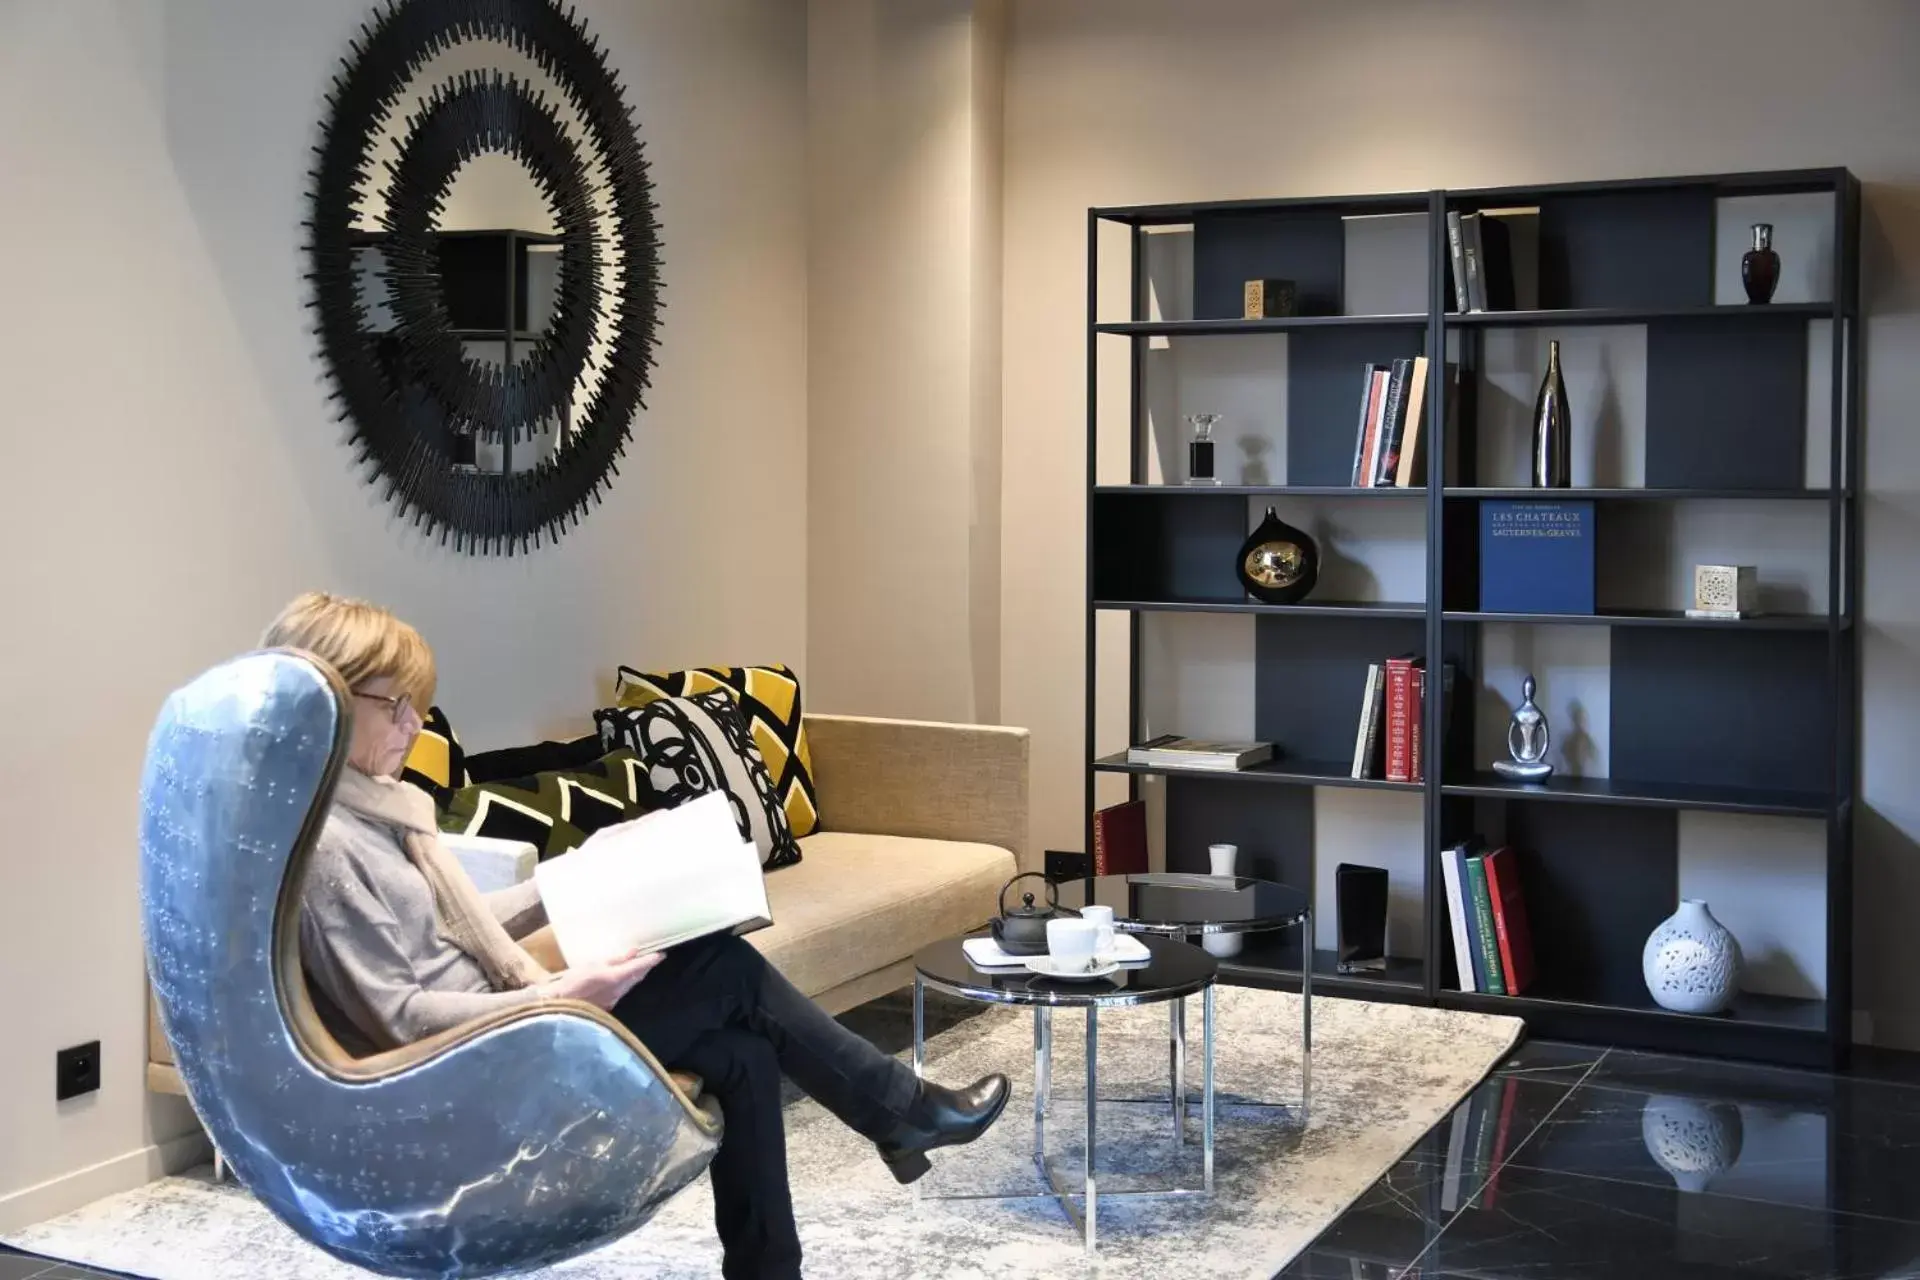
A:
769, 697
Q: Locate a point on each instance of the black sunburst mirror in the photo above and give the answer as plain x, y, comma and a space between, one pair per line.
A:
487, 352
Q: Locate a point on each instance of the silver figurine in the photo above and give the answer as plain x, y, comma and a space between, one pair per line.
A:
1528, 739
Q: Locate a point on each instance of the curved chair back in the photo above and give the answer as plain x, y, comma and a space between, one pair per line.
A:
517, 1140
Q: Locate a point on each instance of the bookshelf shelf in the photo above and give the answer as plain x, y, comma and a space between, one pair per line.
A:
1641, 494
1572, 317
1326, 609
1655, 618
1658, 795
1257, 491
1276, 324
1729, 423
1299, 773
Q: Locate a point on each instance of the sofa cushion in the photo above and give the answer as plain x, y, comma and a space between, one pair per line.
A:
862, 902
690, 746
555, 811
769, 699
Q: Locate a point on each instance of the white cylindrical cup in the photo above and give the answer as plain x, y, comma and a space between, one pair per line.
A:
1071, 941
1101, 918
1223, 856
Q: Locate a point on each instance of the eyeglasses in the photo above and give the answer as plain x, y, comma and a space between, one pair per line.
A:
399, 704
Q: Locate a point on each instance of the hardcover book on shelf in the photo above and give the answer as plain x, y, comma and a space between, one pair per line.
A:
1485, 941
1488, 250
1376, 400
1402, 466
1393, 421
1171, 751
1536, 557
1399, 719
1366, 416
1453, 876
1366, 739
1120, 839
1510, 920
1457, 262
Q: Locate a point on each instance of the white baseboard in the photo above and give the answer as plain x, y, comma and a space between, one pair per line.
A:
69, 1191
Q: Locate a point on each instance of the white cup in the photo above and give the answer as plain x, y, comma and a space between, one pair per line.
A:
1223, 856
1072, 941
1101, 918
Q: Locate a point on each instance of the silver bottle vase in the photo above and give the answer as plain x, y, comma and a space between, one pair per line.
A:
1552, 434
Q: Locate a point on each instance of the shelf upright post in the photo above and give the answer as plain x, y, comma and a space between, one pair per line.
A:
1093, 476
1433, 758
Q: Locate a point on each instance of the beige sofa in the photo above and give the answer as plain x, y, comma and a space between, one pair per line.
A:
920, 826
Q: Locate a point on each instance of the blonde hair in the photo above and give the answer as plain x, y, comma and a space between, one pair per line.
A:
362, 641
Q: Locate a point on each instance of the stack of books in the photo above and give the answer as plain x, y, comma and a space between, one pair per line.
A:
1492, 946
1482, 260
1171, 751
1390, 743
1387, 445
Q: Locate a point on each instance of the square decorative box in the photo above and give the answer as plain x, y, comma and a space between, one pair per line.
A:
1268, 299
1724, 591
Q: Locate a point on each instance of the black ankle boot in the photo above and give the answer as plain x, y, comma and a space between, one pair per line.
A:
942, 1117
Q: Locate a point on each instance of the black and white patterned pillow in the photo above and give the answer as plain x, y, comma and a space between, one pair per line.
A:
690, 746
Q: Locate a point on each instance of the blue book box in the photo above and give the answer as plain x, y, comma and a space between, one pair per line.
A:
1536, 557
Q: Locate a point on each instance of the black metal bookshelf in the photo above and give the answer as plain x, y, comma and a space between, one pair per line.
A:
1756, 716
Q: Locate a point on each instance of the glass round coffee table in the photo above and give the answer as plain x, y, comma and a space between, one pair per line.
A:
1172, 971
1181, 905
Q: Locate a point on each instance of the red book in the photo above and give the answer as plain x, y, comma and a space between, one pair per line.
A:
1510, 919
1376, 408
1416, 694
1120, 839
1399, 719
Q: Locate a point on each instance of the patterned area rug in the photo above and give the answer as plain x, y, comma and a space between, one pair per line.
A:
1382, 1075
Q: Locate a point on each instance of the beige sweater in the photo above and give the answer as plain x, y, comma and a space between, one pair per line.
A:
371, 945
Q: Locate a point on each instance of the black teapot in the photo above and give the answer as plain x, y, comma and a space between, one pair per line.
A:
1022, 930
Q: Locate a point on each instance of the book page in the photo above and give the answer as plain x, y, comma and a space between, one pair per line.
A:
649, 884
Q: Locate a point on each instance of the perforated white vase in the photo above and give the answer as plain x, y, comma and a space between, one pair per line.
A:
1691, 963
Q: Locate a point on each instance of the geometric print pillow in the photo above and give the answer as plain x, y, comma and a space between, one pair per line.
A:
687, 747
769, 699
553, 811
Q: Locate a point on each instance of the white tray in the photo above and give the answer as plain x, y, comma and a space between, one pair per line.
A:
985, 953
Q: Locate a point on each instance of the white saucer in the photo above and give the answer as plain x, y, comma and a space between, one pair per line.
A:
1048, 967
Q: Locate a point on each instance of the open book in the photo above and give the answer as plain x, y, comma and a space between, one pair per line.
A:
663, 879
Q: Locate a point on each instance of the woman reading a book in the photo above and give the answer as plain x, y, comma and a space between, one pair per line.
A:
398, 944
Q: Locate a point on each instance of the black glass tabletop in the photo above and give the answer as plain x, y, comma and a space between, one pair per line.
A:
1176, 901
1175, 969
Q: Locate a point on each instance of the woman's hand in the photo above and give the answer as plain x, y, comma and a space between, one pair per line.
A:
602, 985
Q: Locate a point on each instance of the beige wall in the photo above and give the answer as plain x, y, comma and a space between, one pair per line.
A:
1127, 101
903, 315
176, 475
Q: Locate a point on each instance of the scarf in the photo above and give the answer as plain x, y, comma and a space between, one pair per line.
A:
464, 919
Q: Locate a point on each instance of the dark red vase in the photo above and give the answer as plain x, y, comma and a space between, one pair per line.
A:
1760, 265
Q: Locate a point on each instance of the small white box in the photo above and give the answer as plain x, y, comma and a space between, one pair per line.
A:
1724, 591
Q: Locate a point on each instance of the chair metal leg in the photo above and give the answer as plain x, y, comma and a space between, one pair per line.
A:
1177, 1014
1206, 1088
220, 1171
1042, 1075
1093, 1116
1306, 1023
919, 1027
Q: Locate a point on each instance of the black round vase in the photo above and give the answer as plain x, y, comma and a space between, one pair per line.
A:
1278, 563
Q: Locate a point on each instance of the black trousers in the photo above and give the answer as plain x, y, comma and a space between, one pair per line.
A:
716, 1008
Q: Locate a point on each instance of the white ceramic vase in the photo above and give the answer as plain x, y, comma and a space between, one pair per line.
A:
1691, 963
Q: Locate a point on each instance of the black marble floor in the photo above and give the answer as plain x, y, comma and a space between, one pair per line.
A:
1605, 1163
1583, 1162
